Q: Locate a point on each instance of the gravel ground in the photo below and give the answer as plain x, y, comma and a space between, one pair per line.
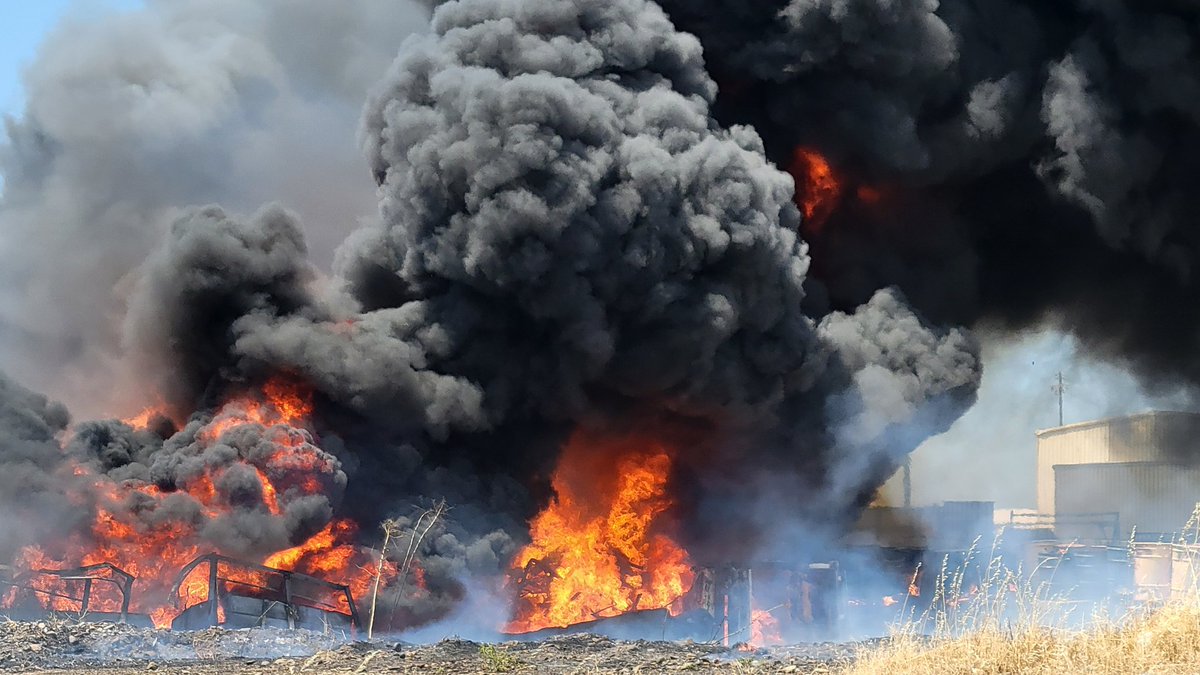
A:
106, 649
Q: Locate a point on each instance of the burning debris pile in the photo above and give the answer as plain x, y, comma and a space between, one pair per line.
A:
585, 312
604, 526
247, 476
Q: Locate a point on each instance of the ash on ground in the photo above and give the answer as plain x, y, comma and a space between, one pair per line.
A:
114, 649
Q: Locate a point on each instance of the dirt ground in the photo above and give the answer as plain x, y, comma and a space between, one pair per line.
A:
105, 649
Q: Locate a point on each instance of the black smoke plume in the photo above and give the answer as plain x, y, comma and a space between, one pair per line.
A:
567, 238
1031, 159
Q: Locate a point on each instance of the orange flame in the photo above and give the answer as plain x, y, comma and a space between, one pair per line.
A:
154, 550
598, 549
914, 583
764, 629
329, 554
141, 421
817, 188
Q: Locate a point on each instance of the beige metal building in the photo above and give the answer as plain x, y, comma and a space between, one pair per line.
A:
1144, 467
1155, 498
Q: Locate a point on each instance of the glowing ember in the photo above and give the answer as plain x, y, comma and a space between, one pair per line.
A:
598, 549
817, 188
869, 195
914, 583
289, 467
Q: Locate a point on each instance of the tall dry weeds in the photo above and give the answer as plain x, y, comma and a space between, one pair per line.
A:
1012, 624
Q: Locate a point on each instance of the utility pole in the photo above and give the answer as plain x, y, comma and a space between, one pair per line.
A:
1058, 388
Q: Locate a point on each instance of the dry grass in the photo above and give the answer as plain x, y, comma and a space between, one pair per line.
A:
1166, 641
1012, 626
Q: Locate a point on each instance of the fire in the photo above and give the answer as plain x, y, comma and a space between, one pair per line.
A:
330, 554
914, 583
282, 405
868, 194
142, 420
599, 549
154, 553
817, 188
764, 629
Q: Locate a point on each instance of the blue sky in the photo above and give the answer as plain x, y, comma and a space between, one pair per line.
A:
25, 23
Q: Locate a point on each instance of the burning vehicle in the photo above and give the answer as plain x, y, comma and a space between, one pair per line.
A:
98, 592
217, 591
211, 590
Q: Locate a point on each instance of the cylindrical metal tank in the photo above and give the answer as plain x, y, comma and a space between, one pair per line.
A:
1185, 565
1152, 577
1041, 560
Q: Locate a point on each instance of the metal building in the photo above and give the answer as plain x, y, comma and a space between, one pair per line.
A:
1154, 498
1143, 470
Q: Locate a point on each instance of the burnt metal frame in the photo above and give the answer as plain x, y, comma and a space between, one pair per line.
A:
214, 560
87, 574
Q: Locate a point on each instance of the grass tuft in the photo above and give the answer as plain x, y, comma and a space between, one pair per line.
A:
498, 661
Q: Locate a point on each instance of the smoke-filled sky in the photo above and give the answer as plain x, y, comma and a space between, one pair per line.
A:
994, 438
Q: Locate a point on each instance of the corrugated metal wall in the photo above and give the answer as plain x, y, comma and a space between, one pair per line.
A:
1169, 437
955, 526
1155, 497
1075, 444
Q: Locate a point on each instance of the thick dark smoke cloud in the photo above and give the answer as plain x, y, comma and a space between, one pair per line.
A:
558, 196
1030, 159
568, 238
29, 425
210, 271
